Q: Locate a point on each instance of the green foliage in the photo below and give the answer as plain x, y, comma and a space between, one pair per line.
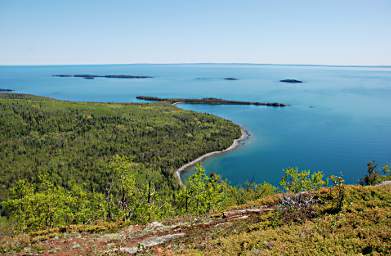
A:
121, 186
63, 162
32, 208
45, 205
74, 141
201, 194
386, 170
374, 176
299, 204
339, 189
250, 192
362, 228
66, 163
295, 181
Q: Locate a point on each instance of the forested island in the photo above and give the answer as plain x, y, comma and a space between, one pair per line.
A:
210, 101
291, 81
89, 76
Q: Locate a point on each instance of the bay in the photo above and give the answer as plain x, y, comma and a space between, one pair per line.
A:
337, 121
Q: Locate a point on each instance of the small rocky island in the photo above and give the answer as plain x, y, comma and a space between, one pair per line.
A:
211, 101
231, 78
6, 90
291, 81
89, 76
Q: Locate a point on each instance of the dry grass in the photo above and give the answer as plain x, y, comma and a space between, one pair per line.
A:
362, 227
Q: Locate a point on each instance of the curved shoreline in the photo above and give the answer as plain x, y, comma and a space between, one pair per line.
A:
234, 145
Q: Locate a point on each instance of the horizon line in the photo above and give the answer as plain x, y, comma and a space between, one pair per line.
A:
196, 63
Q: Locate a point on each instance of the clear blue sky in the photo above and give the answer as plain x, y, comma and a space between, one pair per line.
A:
165, 31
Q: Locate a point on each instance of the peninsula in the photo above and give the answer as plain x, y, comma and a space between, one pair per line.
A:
211, 101
6, 90
89, 76
291, 81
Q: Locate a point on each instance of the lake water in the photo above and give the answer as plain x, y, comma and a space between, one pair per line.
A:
339, 118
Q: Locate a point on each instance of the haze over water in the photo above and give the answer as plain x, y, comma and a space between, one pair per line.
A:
339, 118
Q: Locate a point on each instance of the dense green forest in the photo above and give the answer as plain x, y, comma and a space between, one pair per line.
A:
73, 142
69, 162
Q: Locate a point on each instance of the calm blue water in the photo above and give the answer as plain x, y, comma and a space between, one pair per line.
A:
339, 119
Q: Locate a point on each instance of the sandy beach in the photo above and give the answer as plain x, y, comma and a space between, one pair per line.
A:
234, 145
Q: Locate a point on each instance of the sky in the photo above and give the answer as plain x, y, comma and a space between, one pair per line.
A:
332, 32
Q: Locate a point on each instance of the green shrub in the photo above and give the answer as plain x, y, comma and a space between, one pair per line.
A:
374, 176
295, 181
201, 194
339, 190
31, 209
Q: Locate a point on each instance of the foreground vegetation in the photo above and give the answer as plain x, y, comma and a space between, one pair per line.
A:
363, 226
335, 220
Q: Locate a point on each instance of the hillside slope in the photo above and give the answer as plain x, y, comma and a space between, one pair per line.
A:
74, 141
362, 227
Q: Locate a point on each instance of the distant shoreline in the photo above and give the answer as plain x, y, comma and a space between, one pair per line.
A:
236, 143
196, 63
89, 76
211, 101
